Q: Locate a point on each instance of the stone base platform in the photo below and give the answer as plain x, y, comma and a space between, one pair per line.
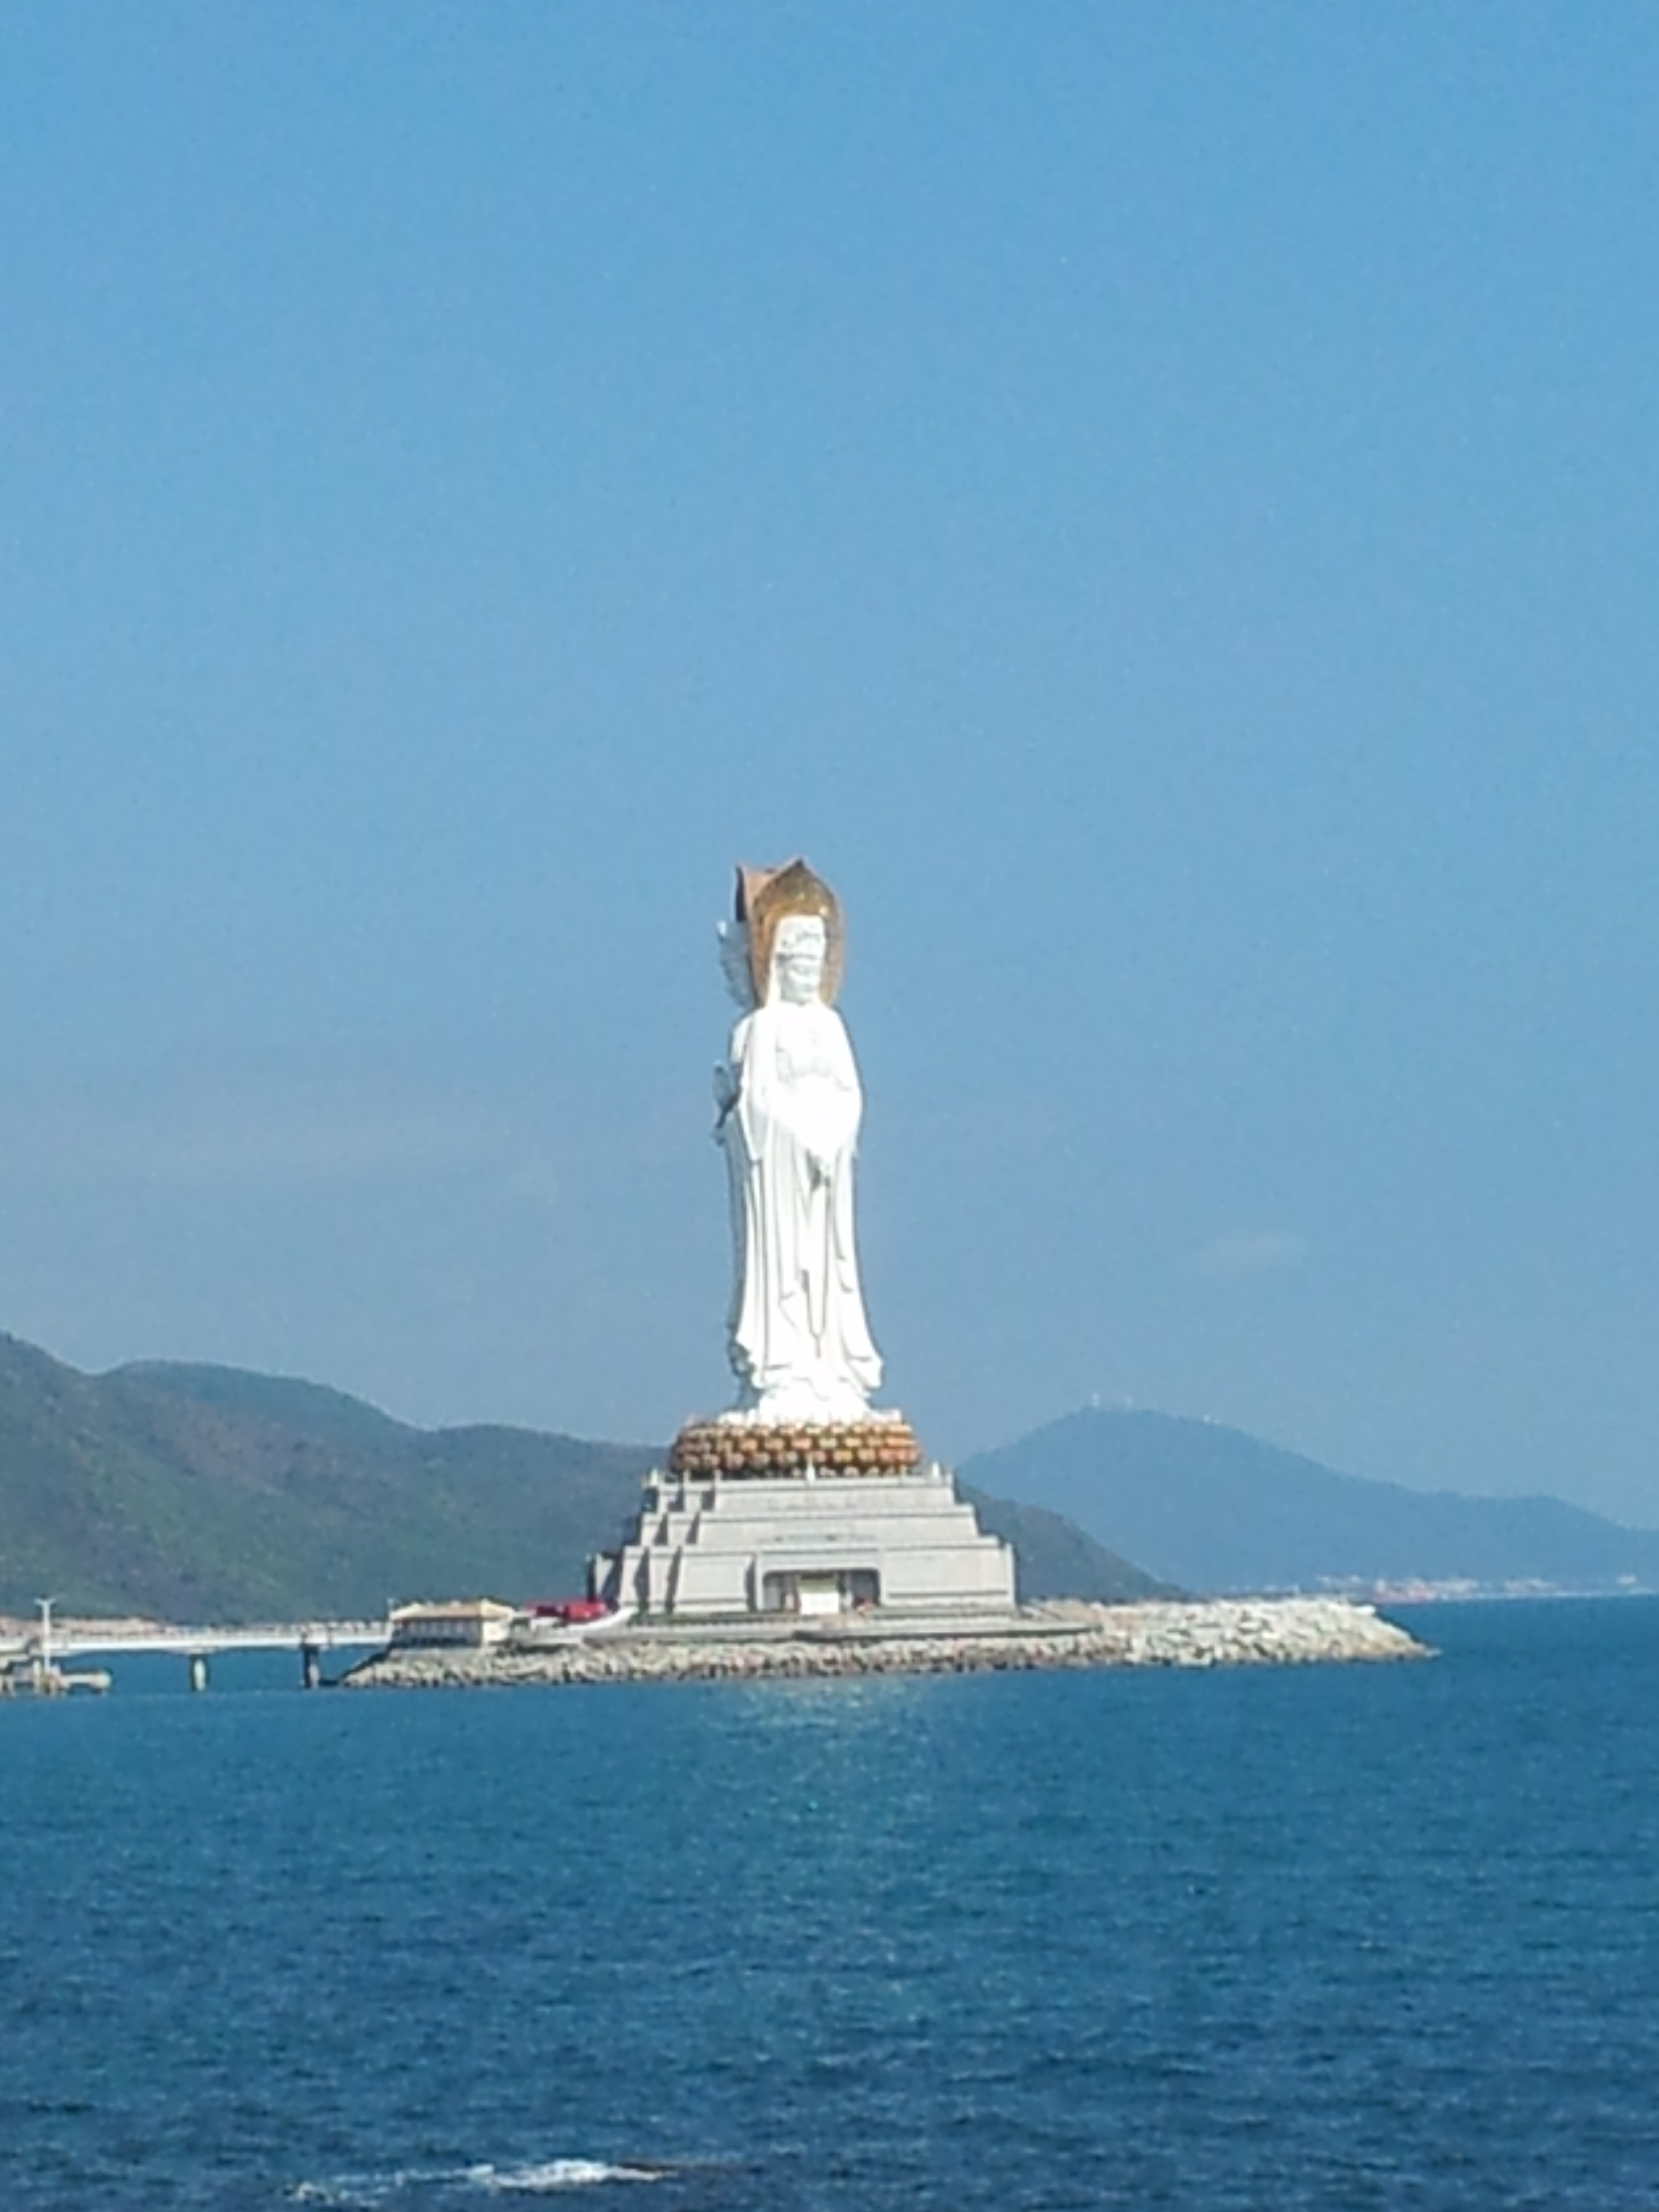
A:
1222, 1632
810, 1545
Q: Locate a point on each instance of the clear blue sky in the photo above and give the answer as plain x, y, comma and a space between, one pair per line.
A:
1158, 503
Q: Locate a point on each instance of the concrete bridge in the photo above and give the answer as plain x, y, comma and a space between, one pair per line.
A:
55, 1641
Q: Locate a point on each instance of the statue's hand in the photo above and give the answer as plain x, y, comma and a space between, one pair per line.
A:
734, 964
726, 1098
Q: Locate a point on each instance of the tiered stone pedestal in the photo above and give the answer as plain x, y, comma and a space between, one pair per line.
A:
754, 1518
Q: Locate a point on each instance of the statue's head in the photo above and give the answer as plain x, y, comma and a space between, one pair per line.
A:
791, 928
800, 946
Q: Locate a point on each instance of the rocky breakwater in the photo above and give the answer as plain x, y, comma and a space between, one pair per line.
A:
1221, 1633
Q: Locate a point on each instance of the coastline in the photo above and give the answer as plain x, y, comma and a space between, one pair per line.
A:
1203, 1633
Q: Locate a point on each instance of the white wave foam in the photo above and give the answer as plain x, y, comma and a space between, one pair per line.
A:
360, 2192
555, 2174
366, 2192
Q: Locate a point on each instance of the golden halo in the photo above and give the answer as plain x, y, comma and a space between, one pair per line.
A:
765, 897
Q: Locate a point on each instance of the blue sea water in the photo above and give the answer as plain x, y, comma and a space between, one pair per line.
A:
1334, 1937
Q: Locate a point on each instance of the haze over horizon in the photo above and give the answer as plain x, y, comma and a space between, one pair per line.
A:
1160, 508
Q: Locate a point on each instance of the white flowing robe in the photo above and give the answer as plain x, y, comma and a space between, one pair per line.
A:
800, 1343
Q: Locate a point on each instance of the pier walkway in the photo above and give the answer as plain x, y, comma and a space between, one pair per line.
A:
35, 1657
83, 1639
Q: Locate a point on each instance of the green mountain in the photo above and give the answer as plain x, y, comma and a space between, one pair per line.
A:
196, 1493
1216, 1510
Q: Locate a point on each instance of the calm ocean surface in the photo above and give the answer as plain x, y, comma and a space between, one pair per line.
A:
1340, 1938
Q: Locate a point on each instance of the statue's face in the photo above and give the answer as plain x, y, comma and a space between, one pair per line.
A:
798, 952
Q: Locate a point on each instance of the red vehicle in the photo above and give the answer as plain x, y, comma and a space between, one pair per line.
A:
573, 1611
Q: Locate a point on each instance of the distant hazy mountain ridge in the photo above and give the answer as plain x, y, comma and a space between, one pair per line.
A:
207, 1492
1216, 1510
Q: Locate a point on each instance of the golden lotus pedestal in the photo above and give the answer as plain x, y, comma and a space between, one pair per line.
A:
744, 1449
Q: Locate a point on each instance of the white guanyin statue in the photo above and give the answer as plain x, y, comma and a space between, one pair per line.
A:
789, 1110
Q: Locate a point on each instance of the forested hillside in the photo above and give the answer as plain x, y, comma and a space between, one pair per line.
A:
194, 1491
